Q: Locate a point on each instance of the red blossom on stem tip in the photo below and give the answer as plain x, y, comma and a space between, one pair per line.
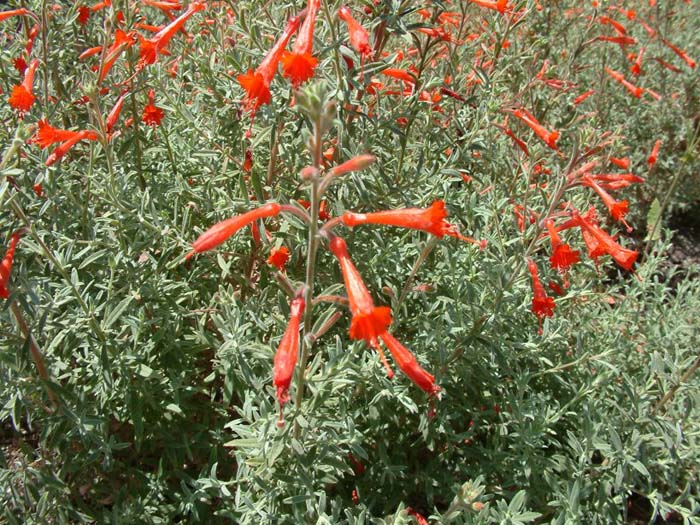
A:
408, 364
634, 90
6, 265
496, 5
623, 163
222, 231
622, 256
359, 38
618, 209
287, 353
356, 163
542, 304
152, 115
22, 97
431, 220
548, 137
299, 65
149, 48
563, 257
368, 321
583, 96
4, 15
682, 54
278, 257
113, 115
654, 154
257, 83
46, 135
63, 148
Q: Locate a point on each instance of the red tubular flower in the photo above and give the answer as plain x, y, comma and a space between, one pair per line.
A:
359, 38
257, 83
47, 135
636, 68
615, 181
299, 65
6, 265
542, 304
431, 220
634, 90
286, 355
497, 5
623, 163
152, 115
563, 257
583, 96
356, 163
408, 364
654, 154
165, 6
150, 48
622, 256
221, 231
4, 15
83, 15
548, 137
63, 148
22, 97
682, 54
518, 142
279, 257
399, 74
618, 209
20, 65
113, 116
121, 42
368, 321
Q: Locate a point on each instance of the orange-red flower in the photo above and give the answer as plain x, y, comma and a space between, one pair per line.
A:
563, 257
542, 304
47, 135
634, 90
22, 96
618, 209
408, 364
278, 257
287, 353
152, 115
497, 5
622, 256
654, 154
359, 37
548, 137
257, 83
148, 52
368, 321
222, 231
114, 113
299, 64
83, 15
63, 148
6, 265
4, 15
682, 54
623, 163
583, 96
431, 220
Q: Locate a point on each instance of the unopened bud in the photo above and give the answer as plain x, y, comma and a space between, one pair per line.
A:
308, 173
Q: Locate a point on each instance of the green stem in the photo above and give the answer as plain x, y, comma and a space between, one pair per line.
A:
312, 248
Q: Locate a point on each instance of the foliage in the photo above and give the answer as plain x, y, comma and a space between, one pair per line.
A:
156, 404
